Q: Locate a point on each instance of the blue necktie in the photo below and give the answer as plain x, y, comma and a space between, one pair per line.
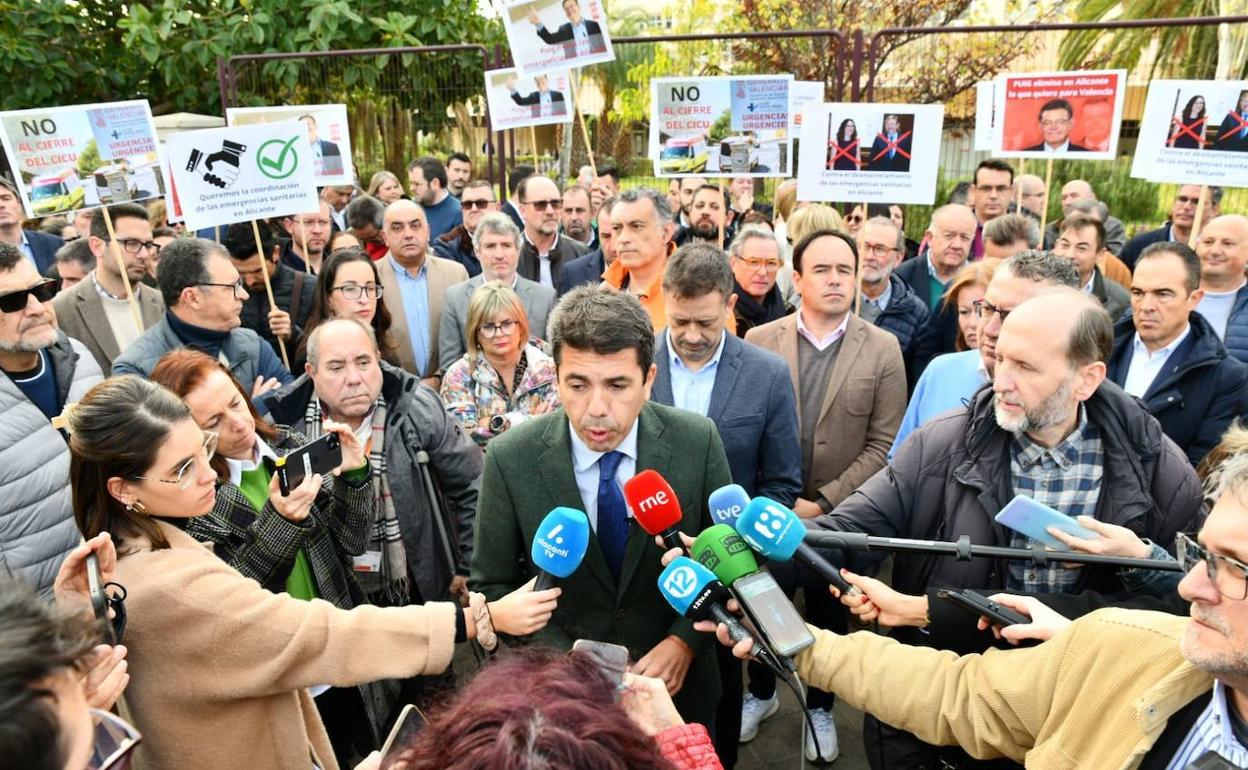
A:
612, 513
1243, 132
892, 153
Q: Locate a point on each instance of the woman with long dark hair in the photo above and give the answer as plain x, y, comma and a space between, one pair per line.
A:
219, 665
1189, 131
846, 153
349, 286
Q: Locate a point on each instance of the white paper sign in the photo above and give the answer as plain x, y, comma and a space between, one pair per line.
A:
987, 129
68, 158
802, 93
328, 137
240, 173
721, 126
1194, 132
870, 153
516, 102
546, 34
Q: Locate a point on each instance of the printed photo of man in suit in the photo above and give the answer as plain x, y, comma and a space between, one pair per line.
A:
328, 156
579, 36
543, 102
891, 149
1057, 118
1233, 133
606, 431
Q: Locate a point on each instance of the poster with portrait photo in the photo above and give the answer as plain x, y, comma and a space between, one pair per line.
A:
1072, 115
516, 101
721, 126
1194, 132
872, 153
328, 138
987, 127
546, 34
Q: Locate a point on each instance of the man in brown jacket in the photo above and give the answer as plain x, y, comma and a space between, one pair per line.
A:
850, 380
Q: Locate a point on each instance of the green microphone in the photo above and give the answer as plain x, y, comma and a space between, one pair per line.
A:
721, 550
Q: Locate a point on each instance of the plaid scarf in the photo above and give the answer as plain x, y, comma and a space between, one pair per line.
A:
386, 538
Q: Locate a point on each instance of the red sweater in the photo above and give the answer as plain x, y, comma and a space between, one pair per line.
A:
688, 747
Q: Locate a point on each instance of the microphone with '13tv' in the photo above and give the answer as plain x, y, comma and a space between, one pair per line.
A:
721, 550
727, 503
777, 533
559, 545
654, 506
695, 593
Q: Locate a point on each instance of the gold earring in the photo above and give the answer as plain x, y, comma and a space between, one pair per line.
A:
136, 507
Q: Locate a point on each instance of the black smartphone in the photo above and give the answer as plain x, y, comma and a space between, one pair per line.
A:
320, 456
766, 604
410, 722
982, 605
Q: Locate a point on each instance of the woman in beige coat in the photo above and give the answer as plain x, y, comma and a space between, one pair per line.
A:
219, 666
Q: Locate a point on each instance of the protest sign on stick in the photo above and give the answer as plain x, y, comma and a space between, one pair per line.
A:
67, 158
1071, 115
734, 126
540, 100
1194, 132
329, 140
874, 153
1048, 186
545, 34
987, 127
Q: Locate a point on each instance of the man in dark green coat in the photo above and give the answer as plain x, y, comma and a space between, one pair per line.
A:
577, 456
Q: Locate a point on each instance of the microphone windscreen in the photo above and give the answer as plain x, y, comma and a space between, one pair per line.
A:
690, 588
721, 550
770, 528
560, 542
727, 503
652, 501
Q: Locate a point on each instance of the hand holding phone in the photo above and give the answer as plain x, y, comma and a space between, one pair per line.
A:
410, 722
611, 658
1033, 519
981, 605
317, 457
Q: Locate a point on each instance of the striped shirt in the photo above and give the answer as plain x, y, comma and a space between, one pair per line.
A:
1212, 732
1067, 478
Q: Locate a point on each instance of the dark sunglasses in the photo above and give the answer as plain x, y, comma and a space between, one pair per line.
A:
543, 205
16, 301
482, 204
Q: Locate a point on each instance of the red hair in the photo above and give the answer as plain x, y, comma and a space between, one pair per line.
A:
184, 370
537, 709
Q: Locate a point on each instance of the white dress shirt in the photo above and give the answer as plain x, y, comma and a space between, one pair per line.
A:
820, 343
1146, 366
237, 467
585, 466
691, 390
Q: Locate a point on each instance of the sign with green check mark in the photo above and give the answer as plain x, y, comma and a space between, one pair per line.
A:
277, 158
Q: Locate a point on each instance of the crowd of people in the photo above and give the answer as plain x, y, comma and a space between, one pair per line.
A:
481, 361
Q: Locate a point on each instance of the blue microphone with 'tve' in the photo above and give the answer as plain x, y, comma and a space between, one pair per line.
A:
727, 503
559, 545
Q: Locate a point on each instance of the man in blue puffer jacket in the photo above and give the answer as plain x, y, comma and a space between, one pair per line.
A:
1223, 250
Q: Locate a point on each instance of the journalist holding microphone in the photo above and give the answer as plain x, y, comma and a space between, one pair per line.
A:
219, 665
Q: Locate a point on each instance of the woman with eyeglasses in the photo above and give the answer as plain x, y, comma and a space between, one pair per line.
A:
503, 379
349, 286
220, 665
385, 187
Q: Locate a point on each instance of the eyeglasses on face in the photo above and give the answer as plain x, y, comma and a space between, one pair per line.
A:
757, 263
134, 245
878, 249
239, 288
985, 309
491, 329
16, 301
1229, 575
543, 205
355, 290
185, 475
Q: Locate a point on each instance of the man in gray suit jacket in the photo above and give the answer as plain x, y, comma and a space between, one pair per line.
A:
496, 242
96, 312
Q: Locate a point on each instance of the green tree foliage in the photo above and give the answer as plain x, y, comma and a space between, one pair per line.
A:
1189, 52
89, 160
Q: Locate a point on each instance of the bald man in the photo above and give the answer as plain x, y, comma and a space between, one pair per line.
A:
949, 237
414, 282
1078, 191
1050, 427
1032, 193
1223, 250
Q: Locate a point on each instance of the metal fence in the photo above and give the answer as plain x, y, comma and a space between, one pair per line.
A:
432, 99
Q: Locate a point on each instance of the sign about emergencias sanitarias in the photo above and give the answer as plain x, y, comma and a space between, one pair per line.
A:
67, 158
730, 126
240, 173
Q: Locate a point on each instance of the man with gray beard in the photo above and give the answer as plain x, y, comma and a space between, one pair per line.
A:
1050, 427
41, 370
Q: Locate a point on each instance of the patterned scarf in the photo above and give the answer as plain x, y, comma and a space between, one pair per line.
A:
386, 538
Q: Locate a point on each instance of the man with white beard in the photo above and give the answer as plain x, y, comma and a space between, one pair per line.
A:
1050, 427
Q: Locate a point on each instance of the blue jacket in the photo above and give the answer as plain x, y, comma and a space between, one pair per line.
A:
905, 317
1198, 393
248, 355
584, 271
949, 382
1236, 337
1131, 251
456, 245
755, 412
43, 247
